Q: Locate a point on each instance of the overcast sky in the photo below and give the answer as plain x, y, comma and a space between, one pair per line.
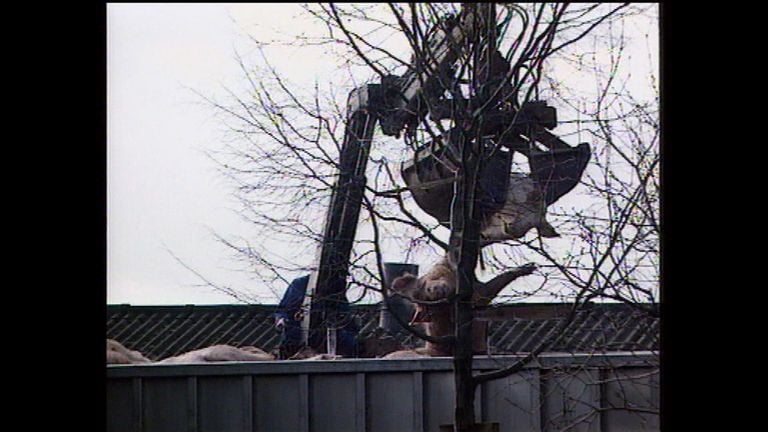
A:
163, 193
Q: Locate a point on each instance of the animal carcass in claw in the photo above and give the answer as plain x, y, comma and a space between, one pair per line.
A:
523, 209
511, 203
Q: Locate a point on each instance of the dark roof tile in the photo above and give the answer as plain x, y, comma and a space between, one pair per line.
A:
163, 331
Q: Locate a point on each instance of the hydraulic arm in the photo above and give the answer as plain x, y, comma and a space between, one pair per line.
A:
327, 284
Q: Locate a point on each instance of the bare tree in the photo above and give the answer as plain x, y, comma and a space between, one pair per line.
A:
286, 142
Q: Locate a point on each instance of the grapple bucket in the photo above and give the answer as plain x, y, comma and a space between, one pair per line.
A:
430, 178
558, 170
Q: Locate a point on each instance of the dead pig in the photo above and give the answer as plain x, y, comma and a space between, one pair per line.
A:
523, 210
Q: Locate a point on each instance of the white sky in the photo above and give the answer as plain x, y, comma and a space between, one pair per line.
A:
162, 190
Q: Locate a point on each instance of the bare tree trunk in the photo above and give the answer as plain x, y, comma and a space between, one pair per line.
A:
465, 229
465, 233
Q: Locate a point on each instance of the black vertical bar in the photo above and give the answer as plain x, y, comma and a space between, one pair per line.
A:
192, 403
344, 212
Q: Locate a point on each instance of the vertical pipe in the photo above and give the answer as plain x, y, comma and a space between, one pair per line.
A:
361, 409
247, 390
304, 403
192, 425
418, 401
138, 408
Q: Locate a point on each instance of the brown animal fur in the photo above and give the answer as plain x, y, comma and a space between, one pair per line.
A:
438, 284
406, 354
377, 346
117, 353
254, 350
220, 353
523, 210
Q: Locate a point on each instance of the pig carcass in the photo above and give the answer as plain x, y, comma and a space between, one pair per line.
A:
510, 207
523, 210
117, 353
220, 353
438, 284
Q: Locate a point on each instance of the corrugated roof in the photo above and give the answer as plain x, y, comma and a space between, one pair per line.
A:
163, 331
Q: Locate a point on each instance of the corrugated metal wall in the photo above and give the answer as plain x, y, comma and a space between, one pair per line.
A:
609, 392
